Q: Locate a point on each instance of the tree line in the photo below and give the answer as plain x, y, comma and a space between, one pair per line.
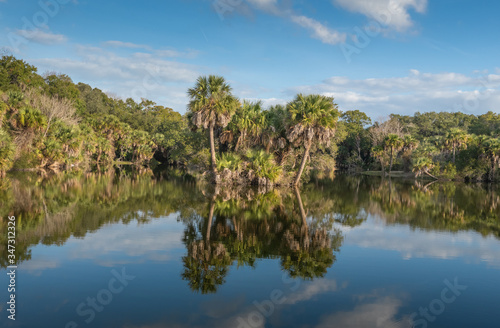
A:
48, 121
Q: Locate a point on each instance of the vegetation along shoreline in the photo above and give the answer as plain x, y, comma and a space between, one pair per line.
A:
49, 122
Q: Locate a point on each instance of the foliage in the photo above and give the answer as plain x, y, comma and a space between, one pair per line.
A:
264, 165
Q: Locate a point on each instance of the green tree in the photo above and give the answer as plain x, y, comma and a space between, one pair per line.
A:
455, 139
422, 165
313, 119
211, 105
394, 143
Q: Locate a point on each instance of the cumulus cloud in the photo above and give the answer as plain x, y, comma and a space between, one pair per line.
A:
392, 13
319, 31
417, 91
42, 37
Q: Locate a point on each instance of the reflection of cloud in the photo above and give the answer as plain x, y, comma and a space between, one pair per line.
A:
307, 292
154, 241
312, 289
221, 307
379, 313
37, 265
420, 244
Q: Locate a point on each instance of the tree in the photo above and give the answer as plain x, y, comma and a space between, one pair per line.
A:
313, 118
394, 143
455, 139
249, 121
211, 105
492, 150
423, 165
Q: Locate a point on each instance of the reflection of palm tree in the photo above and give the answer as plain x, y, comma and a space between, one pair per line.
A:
206, 264
312, 255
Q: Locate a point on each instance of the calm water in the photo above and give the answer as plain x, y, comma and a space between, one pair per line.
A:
155, 250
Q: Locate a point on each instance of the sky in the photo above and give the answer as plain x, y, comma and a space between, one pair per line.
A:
377, 56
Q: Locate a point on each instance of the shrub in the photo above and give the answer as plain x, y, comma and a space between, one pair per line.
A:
264, 165
229, 161
7, 151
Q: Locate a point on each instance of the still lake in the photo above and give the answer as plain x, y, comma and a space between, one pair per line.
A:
151, 250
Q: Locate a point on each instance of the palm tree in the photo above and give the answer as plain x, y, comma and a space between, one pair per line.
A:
249, 121
394, 143
410, 144
313, 118
455, 139
379, 153
492, 149
423, 165
211, 105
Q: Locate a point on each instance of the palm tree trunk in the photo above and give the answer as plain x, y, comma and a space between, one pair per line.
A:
382, 167
454, 151
392, 158
303, 164
212, 148
426, 172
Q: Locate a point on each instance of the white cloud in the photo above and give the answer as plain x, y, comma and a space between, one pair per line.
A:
392, 13
137, 75
320, 31
417, 91
42, 37
121, 44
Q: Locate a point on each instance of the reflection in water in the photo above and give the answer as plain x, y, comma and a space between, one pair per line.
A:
202, 237
252, 227
223, 226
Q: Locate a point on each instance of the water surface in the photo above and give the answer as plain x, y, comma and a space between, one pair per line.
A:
157, 250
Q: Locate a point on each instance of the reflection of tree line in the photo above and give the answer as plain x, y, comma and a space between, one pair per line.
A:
246, 225
49, 210
437, 206
226, 233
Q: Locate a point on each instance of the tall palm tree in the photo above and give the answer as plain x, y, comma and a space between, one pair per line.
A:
394, 143
455, 139
211, 105
313, 118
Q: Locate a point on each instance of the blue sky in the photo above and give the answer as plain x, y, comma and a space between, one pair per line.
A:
378, 56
